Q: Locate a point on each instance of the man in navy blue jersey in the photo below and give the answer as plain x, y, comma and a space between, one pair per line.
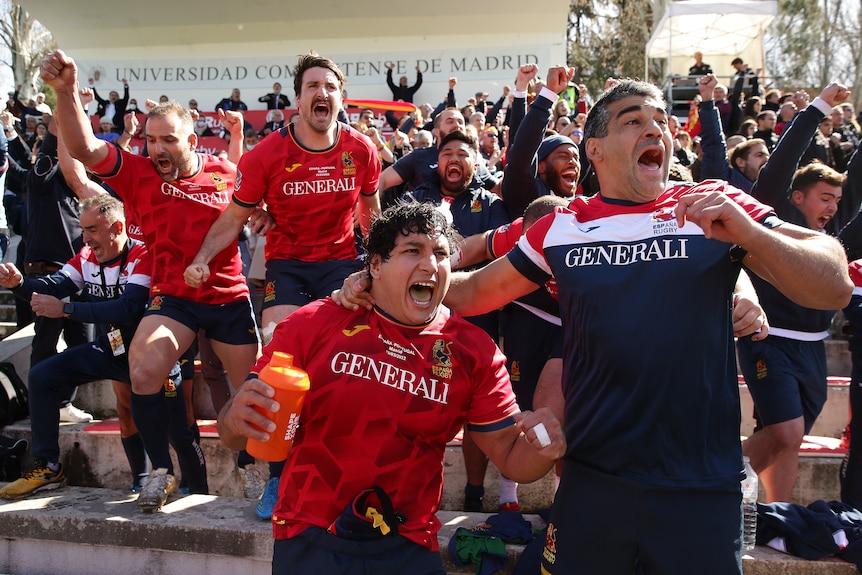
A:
645, 276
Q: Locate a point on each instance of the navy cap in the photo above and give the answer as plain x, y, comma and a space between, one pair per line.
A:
551, 143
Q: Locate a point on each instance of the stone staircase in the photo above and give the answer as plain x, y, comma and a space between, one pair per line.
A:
7, 313
94, 521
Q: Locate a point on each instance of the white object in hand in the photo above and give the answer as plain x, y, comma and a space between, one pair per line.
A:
542, 434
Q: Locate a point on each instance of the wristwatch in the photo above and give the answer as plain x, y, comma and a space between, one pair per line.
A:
68, 308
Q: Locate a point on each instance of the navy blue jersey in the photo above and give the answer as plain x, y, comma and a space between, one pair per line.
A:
473, 211
649, 372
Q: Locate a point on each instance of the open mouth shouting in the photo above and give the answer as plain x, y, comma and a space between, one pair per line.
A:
164, 164
421, 294
823, 220
652, 159
569, 178
454, 172
321, 109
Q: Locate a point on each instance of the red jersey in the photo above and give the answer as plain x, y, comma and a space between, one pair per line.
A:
385, 399
856, 276
174, 218
310, 194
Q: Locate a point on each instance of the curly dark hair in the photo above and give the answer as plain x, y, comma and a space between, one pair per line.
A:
405, 218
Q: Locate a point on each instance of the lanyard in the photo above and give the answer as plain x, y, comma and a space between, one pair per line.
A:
125, 257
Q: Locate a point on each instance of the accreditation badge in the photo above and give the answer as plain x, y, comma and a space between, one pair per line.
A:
116, 340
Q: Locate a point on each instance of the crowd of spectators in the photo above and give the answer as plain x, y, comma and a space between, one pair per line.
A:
484, 159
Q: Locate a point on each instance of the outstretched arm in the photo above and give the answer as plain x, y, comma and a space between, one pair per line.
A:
60, 72
714, 163
233, 123
487, 289
74, 172
773, 182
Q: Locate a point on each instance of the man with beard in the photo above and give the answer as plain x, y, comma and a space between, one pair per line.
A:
645, 275
310, 174
418, 166
537, 167
174, 194
472, 210
371, 446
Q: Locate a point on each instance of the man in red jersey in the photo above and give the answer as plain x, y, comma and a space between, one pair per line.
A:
310, 174
390, 386
176, 193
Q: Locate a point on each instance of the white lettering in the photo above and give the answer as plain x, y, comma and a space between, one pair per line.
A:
385, 373
209, 197
627, 254
327, 186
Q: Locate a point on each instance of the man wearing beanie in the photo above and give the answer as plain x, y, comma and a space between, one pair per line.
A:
537, 167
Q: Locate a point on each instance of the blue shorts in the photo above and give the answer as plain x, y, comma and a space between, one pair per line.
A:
231, 323
786, 378
529, 343
291, 282
317, 551
608, 524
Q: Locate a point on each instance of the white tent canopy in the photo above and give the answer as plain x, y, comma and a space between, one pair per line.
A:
721, 30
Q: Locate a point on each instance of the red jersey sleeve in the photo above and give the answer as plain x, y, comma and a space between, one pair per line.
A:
504, 238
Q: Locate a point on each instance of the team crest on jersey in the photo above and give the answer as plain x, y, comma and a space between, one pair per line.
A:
515, 371
550, 551
269, 292
238, 180
155, 304
348, 168
761, 368
219, 182
476, 206
441, 355
170, 387
663, 221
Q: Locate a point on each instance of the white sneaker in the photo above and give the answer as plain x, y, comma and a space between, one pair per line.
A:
72, 414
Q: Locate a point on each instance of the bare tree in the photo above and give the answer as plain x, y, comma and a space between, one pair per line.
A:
26, 42
813, 42
607, 39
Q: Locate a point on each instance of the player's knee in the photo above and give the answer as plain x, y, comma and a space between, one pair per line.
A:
148, 377
787, 435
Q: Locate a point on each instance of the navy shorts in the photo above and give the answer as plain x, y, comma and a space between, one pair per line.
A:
317, 551
291, 282
608, 524
786, 378
529, 343
231, 323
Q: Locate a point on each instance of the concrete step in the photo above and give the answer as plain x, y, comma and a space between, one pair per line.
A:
71, 530
7, 312
98, 460
7, 328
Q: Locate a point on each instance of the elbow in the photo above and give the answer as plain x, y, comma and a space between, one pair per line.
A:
843, 294
84, 151
829, 297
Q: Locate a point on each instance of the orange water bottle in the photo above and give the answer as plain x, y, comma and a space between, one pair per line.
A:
290, 384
